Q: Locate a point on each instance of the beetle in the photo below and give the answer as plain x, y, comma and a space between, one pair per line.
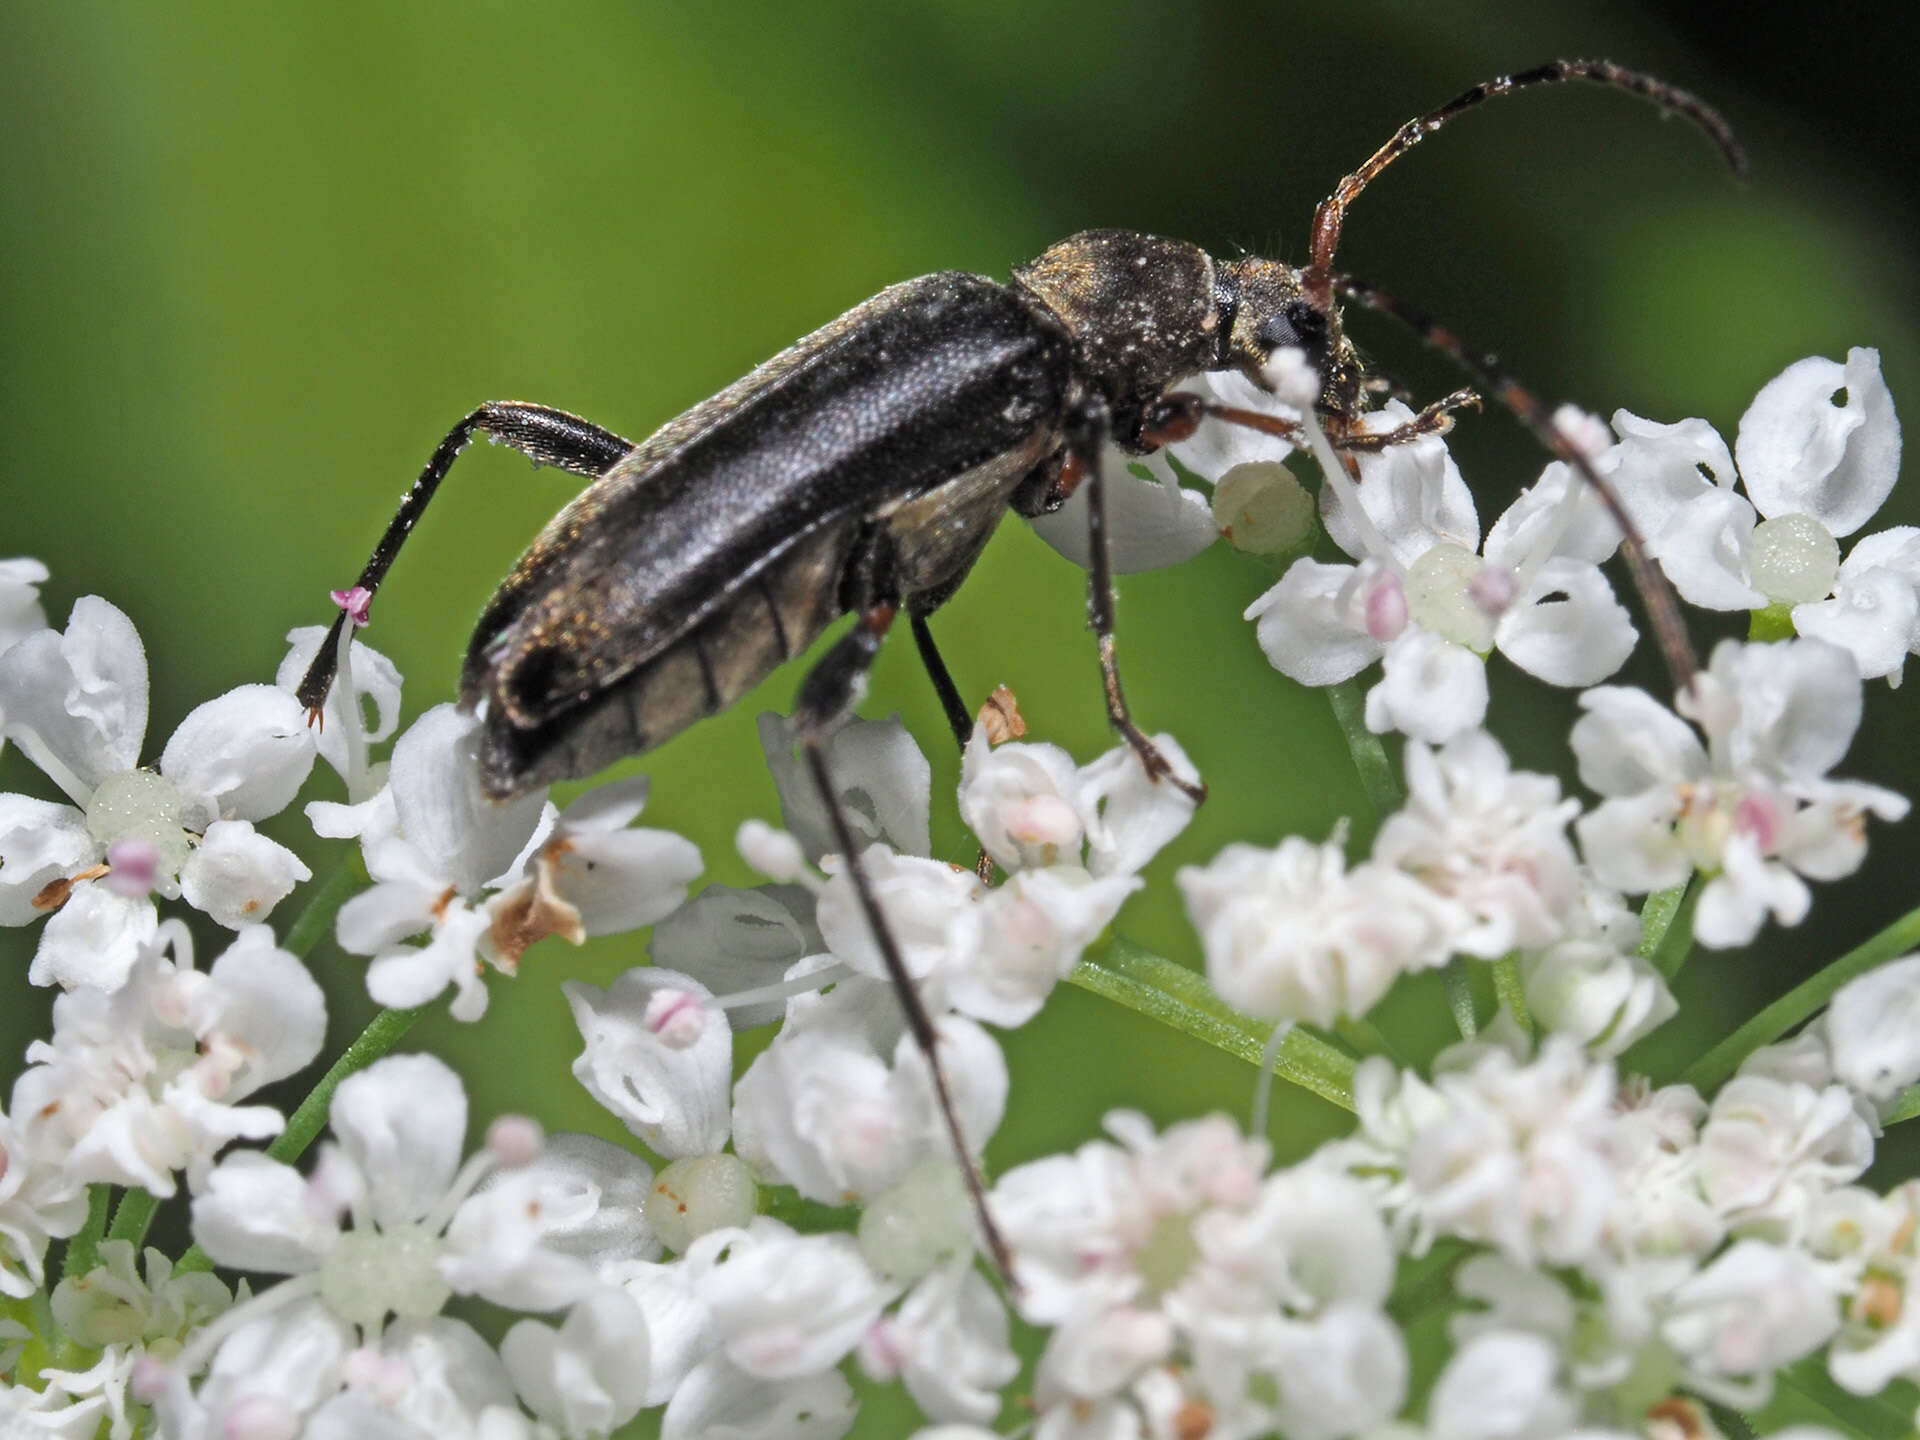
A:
863, 470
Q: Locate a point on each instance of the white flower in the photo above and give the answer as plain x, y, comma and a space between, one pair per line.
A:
431, 855
1292, 934
593, 874
144, 1081
1425, 603
1755, 1309
273, 1369
1770, 1147
820, 1109
1113, 1222
418, 1233
720, 1401
1488, 841
879, 775
947, 1343
1752, 807
657, 1056
39, 1203
785, 1306
1593, 984
1873, 1030
1815, 470
1500, 1385
76, 703
588, 1377
1518, 1157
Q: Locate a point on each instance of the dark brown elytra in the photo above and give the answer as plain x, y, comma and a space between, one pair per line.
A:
863, 470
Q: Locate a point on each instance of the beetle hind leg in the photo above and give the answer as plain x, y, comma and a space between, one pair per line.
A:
830, 689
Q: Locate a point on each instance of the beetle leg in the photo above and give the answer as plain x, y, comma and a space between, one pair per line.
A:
1435, 419
1085, 445
958, 718
544, 435
829, 690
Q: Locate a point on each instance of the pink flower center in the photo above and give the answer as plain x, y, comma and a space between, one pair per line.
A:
1386, 609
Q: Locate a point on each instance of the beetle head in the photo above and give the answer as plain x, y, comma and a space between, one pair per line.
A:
1267, 309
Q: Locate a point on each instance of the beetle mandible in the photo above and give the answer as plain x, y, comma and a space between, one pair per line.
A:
864, 469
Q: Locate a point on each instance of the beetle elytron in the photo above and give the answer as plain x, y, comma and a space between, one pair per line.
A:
863, 470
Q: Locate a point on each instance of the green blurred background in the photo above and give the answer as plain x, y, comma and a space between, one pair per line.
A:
254, 260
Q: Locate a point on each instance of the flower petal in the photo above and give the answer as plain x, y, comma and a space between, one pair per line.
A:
1800, 453
1150, 523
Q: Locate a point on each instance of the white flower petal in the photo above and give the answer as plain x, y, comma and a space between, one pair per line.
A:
237, 875
1873, 1029
720, 1401
262, 993
589, 1376
1430, 689
257, 1214
20, 612
1800, 453
878, 772
1872, 616
1628, 742
39, 842
1413, 493
1150, 523
622, 879
1578, 638
786, 1306
675, 1098
1307, 627
76, 701
94, 939
732, 940
1129, 816
464, 836
1656, 468
1704, 550
241, 756
403, 1122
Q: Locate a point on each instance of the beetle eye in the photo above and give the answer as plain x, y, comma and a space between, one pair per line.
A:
1277, 333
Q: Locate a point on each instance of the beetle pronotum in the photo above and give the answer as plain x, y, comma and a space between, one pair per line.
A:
863, 470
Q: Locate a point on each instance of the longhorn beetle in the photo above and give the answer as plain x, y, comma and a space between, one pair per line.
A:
863, 470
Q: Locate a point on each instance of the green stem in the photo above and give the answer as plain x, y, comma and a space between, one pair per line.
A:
1459, 988
83, 1250
1666, 927
316, 919
1732, 1423
1369, 755
1513, 995
1712, 1069
1180, 999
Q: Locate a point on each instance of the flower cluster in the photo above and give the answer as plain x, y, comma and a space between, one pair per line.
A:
1518, 1238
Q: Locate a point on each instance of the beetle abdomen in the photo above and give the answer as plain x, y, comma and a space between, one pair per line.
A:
767, 621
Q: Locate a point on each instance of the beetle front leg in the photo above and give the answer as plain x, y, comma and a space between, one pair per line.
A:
543, 434
828, 692
1085, 446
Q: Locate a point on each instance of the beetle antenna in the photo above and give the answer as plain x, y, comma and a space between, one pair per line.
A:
1656, 591
1332, 213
